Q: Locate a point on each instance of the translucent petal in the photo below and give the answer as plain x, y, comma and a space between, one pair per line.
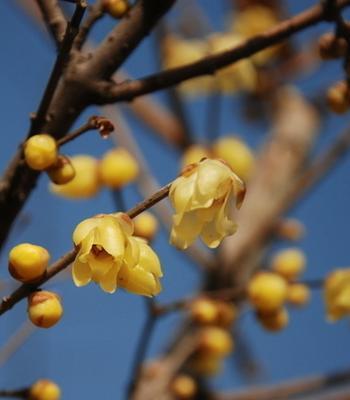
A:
109, 235
108, 282
132, 252
126, 223
185, 233
137, 280
86, 246
181, 193
100, 264
81, 273
149, 260
83, 229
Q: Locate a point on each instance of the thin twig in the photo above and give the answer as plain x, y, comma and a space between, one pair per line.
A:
19, 394
24, 290
127, 91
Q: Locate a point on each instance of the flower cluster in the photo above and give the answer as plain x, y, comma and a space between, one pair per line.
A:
111, 256
203, 197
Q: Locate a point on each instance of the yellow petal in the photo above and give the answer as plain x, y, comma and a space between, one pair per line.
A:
108, 282
149, 260
110, 236
132, 252
126, 223
137, 280
81, 273
100, 265
83, 229
181, 192
185, 230
86, 246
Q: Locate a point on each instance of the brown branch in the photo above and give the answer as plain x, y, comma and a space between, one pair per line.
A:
19, 180
310, 385
54, 19
126, 36
127, 91
24, 290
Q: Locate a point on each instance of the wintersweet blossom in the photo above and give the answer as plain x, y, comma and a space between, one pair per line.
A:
110, 256
337, 294
203, 197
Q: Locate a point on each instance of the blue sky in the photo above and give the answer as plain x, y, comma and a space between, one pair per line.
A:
89, 352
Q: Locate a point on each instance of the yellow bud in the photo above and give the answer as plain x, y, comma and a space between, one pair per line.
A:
337, 294
118, 168
116, 8
194, 154
206, 364
227, 313
86, 182
28, 262
44, 390
338, 97
267, 291
62, 171
204, 311
44, 308
290, 229
274, 321
40, 151
145, 225
298, 294
237, 154
289, 263
215, 341
183, 387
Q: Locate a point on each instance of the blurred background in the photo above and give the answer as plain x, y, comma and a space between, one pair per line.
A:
89, 352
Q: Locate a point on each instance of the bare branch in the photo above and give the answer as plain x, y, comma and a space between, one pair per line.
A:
54, 19
127, 91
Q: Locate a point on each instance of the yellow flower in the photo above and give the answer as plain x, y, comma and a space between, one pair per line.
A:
109, 255
85, 183
142, 278
203, 197
44, 389
337, 294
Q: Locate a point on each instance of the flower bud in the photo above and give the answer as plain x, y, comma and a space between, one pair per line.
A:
145, 225
267, 291
44, 390
290, 229
118, 168
289, 263
206, 364
183, 387
85, 183
298, 294
215, 341
237, 154
338, 97
44, 308
194, 154
204, 311
227, 313
331, 47
28, 262
274, 321
116, 8
62, 171
40, 151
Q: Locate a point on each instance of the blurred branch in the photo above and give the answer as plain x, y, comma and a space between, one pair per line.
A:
111, 92
54, 19
95, 13
15, 341
18, 394
291, 389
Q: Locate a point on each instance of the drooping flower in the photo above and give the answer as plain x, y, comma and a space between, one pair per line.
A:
203, 197
110, 256
337, 294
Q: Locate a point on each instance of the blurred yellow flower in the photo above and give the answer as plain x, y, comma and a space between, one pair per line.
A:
252, 21
203, 197
110, 256
337, 294
240, 75
142, 278
104, 244
86, 181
